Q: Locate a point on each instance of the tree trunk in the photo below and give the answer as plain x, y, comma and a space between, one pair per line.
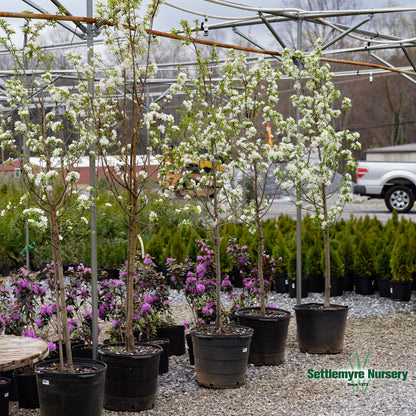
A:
58, 270
216, 239
327, 269
260, 239
218, 276
131, 259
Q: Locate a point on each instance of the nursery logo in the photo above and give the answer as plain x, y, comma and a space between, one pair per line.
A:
358, 376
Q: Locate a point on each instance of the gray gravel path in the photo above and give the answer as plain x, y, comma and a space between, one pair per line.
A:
378, 326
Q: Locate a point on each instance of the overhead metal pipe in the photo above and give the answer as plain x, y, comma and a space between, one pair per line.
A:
196, 40
346, 32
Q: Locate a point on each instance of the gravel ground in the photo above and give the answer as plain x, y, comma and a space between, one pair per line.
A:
375, 325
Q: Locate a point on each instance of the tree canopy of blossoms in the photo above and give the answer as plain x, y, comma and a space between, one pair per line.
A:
116, 120
38, 109
314, 151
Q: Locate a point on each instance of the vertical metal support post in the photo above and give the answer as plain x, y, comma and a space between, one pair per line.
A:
26, 158
298, 209
93, 195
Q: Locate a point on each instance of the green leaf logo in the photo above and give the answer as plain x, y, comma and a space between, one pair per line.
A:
359, 367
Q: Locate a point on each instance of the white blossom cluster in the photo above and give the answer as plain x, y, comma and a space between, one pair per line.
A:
313, 149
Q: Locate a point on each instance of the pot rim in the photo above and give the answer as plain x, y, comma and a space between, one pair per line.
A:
130, 356
250, 331
332, 308
39, 370
240, 312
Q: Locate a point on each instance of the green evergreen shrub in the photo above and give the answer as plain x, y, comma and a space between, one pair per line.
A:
382, 263
402, 262
364, 257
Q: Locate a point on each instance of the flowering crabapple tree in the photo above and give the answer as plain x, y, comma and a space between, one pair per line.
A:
252, 103
116, 118
199, 148
36, 104
313, 149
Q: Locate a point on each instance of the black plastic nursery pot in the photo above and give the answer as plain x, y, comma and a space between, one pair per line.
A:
401, 291
27, 390
268, 344
164, 356
337, 286
164, 343
4, 395
304, 288
131, 380
82, 351
349, 278
365, 285
221, 359
190, 348
321, 330
176, 335
69, 394
316, 283
13, 387
383, 287
282, 283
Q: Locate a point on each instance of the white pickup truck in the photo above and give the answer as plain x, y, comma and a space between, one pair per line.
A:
395, 182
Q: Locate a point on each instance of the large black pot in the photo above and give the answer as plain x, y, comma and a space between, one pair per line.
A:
176, 335
270, 333
401, 291
27, 390
221, 360
68, 394
321, 330
131, 380
365, 285
4, 396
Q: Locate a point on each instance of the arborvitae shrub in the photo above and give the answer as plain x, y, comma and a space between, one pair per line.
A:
364, 257
382, 263
401, 261
313, 260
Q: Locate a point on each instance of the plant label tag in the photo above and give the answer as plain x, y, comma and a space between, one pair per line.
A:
245, 349
6, 394
391, 290
45, 382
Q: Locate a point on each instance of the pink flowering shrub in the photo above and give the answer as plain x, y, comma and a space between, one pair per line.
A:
197, 281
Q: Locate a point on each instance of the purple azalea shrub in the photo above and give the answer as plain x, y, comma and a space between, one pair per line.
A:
197, 281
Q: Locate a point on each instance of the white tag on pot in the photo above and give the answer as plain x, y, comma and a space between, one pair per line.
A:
6, 394
245, 349
45, 382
